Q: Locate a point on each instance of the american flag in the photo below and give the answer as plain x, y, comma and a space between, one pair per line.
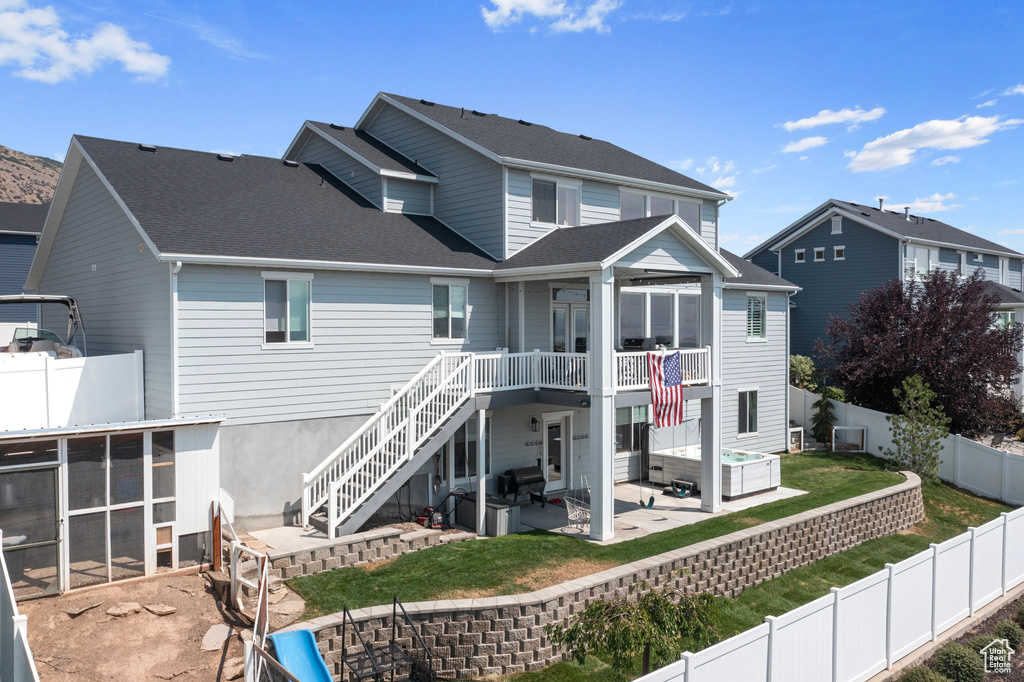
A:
666, 373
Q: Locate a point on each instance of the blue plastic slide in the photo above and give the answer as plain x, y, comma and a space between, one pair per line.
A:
297, 652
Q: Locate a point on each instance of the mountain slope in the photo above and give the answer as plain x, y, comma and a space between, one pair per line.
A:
27, 179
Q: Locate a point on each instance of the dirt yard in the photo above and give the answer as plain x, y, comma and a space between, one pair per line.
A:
137, 646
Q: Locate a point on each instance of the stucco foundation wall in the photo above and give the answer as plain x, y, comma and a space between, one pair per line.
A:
503, 635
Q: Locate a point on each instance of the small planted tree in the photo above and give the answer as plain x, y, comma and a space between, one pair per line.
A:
802, 372
651, 624
918, 430
824, 414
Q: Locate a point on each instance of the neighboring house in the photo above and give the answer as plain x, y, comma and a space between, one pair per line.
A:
20, 225
422, 301
841, 249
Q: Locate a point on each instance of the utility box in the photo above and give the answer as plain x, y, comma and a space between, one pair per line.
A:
500, 518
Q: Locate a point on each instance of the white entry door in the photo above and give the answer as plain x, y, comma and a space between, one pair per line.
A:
557, 448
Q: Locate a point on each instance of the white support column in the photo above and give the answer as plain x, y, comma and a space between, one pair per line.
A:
602, 406
521, 291
711, 408
481, 476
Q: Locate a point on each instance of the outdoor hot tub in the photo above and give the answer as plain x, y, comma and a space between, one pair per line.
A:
743, 473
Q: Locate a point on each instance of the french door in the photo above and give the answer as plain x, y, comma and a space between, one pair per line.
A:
570, 327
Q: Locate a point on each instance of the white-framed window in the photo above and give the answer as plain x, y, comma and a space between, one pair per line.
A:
462, 448
556, 201
819, 253
287, 299
837, 225
629, 423
979, 258
756, 317
961, 263
919, 261
838, 253
1006, 319
450, 309
747, 412
688, 321
1004, 270
800, 256
662, 324
634, 204
671, 319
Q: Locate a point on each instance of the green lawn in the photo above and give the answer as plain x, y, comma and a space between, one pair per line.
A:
529, 561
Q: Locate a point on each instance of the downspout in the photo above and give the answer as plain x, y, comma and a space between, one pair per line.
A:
175, 269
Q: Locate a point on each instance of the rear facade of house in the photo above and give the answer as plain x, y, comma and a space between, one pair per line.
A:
20, 225
842, 249
419, 302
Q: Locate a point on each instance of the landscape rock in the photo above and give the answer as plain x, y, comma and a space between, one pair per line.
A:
125, 608
234, 668
161, 609
216, 636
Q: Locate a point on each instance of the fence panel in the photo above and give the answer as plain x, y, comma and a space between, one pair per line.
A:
1014, 547
981, 469
987, 572
743, 657
947, 458
1014, 480
801, 642
952, 582
910, 609
861, 615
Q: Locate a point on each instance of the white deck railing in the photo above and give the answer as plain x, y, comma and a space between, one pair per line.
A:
16, 661
392, 436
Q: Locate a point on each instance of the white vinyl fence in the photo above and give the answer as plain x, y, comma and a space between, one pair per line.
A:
16, 662
855, 632
964, 463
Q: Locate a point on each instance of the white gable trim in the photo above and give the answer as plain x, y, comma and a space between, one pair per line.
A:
404, 175
783, 231
828, 214
687, 236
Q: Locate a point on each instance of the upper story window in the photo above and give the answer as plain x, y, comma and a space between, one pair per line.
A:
919, 261
837, 225
756, 322
286, 307
1006, 319
819, 253
838, 253
556, 202
638, 205
979, 258
800, 256
669, 319
1004, 270
450, 309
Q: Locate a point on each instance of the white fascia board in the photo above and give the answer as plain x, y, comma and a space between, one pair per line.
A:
34, 234
543, 271
292, 148
198, 259
65, 182
348, 150
613, 179
404, 175
961, 247
688, 237
835, 211
761, 287
786, 229
147, 424
430, 122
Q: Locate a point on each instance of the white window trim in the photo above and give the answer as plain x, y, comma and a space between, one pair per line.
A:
626, 454
764, 307
837, 224
488, 418
802, 253
747, 389
835, 252
816, 250
447, 281
559, 182
979, 258
283, 275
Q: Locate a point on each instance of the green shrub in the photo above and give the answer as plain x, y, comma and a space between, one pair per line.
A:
1019, 616
921, 673
979, 642
803, 374
959, 663
1010, 631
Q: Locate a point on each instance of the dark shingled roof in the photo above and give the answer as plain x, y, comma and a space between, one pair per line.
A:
921, 228
190, 202
371, 149
751, 274
22, 217
584, 244
509, 138
1003, 293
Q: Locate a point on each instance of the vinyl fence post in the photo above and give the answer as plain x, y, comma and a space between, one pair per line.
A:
970, 583
956, 462
686, 665
21, 670
835, 633
888, 616
1006, 550
1004, 489
771, 644
935, 575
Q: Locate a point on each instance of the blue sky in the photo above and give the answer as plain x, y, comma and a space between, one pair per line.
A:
783, 104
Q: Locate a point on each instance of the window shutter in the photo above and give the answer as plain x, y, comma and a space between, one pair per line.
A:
755, 317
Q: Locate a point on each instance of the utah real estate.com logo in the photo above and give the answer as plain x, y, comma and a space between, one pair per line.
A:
997, 655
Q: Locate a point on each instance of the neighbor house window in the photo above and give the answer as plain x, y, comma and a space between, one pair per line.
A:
1006, 319
629, 424
920, 260
979, 258
837, 225
449, 309
747, 412
755, 317
839, 252
556, 202
286, 305
819, 253
1004, 271
800, 256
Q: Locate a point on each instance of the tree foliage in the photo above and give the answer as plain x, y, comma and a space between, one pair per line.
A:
824, 414
802, 372
653, 624
943, 329
918, 430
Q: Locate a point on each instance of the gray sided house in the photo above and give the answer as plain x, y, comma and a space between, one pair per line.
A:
419, 302
841, 249
20, 225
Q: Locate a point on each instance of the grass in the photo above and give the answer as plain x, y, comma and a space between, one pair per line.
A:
528, 561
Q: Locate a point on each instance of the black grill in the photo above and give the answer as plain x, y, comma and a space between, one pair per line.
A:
527, 481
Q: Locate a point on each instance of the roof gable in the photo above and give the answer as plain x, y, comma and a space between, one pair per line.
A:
365, 148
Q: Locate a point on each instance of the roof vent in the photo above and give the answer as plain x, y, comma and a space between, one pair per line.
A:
147, 148
226, 157
586, 137
906, 213
426, 103
880, 202
863, 213
337, 127
291, 164
524, 123
478, 113
931, 220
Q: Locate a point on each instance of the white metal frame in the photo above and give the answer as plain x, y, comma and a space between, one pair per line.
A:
288, 278
565, 417
817, 250
799, 255
448, 282
742, 393
559, 182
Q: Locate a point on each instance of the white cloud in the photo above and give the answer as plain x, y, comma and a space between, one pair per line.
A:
725, 181
943, 160
990, 103
226, 152
805, 144
215, 36
898, 149
936, 203
1007, 183
754, 239
727, 237
1015, 90
681, 164
562, 17
58, 156
764, 169
854, 117
730, 192
715, 167
32, 39
804, 158
1021, 231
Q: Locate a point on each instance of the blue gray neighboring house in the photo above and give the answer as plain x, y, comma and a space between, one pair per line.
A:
20, 225
842, 249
